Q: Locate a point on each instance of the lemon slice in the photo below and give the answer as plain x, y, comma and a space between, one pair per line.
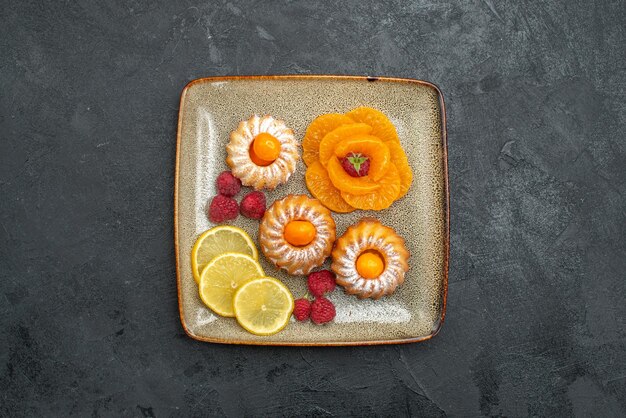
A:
263, 306
222, 276
219, 240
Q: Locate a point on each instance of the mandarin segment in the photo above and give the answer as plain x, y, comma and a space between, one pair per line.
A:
370, 146
381, 198
320, 186
400, 160
316, 132
346, 183
331, 139
382, 126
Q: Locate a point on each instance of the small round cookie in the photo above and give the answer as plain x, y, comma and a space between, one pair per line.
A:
370, 260
262, 152
297, 234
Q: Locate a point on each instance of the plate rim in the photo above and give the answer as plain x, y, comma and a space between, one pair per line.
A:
446, 264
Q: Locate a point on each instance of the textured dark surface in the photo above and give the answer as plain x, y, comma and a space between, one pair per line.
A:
536, 118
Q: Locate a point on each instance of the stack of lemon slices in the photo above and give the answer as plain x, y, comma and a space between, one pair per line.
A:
231, 282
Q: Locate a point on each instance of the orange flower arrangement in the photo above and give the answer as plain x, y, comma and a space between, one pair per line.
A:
355, 161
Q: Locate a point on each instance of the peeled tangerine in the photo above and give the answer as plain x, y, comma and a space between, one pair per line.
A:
366, 132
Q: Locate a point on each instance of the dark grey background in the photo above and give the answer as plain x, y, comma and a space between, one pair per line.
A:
536, 104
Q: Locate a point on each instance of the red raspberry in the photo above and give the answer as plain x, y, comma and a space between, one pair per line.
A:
227, 184
356, 164
321, 282
322, 311
302, 309
222, 209
253, 205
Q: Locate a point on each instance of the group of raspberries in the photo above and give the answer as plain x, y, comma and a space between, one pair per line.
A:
321, 310
224, 208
